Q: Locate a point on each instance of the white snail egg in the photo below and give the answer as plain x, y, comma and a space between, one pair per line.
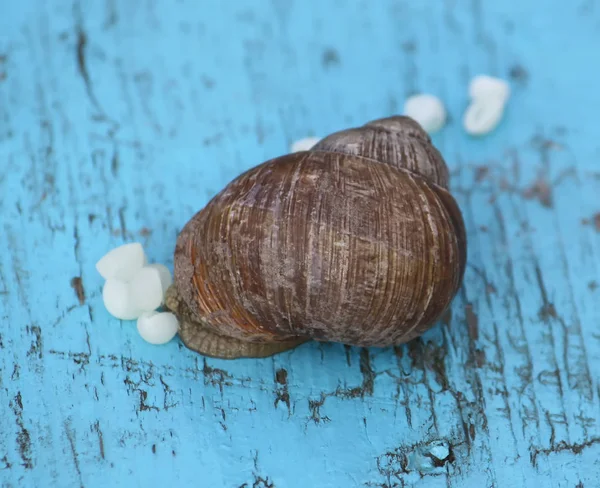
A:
157, 328
483, 115
165, 275
117, 299
484, 86
427, 110
146, 289
304, 144
122, 262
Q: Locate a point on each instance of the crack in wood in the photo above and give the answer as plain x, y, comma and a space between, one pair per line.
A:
315, 410
74, 454
77, 285
575, 448
258, 480
23, 436
96, 428
428, 458
281, 390
36, 348
4, 460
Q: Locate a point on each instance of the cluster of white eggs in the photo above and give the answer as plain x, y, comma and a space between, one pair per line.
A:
135, 289
488, 95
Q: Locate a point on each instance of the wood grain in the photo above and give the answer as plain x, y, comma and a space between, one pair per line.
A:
119, 120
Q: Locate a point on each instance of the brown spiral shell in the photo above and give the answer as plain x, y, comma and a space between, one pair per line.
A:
356, 241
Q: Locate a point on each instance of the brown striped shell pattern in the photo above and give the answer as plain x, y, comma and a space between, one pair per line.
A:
356, 241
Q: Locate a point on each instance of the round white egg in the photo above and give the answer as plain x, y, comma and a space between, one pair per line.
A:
484, 86
117, 299
166, 278
147, 289
483, 115
304, 144
122, 262
427, 110
157, 328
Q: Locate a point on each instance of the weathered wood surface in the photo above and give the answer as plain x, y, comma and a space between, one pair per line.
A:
120, 119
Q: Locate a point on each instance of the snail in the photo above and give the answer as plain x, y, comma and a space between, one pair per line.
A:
356, 241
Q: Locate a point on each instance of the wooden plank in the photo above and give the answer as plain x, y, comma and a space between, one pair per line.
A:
119, 120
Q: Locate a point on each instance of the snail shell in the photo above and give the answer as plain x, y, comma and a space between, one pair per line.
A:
356, 241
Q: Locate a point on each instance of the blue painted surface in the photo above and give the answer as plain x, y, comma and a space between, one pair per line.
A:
119, 120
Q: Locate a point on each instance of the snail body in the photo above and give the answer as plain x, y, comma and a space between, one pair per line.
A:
356, 241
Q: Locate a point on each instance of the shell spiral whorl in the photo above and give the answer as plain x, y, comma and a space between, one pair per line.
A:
328, 244
398, 141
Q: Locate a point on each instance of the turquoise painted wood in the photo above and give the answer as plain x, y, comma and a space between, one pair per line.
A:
120, 119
